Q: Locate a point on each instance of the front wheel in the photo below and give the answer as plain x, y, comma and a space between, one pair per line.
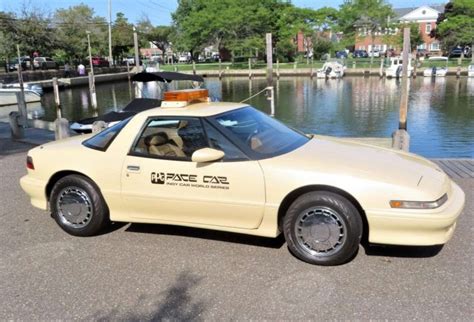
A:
78, 206
323, 228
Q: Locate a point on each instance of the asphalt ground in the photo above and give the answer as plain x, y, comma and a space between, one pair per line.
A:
144, 272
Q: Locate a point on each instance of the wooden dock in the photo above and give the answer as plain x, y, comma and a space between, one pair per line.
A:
457, 168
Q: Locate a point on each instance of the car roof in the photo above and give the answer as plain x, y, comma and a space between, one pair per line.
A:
197, 109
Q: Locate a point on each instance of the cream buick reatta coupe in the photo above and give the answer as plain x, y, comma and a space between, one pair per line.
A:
230, 167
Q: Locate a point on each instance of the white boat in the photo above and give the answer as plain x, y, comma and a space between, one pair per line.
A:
395, 69
435, 70
8, 96
332, 69
470, 70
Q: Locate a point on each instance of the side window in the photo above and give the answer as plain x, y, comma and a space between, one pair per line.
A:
219, 142
171, 138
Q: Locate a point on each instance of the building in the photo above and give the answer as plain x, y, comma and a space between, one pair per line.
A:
424, 16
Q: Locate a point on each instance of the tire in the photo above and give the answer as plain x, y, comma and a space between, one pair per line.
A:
327, 216
80, 196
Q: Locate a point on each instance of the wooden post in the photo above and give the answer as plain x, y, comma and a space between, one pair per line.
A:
268, 38
458, 71
311, 74
381, 68
250, 68
278, 69
91, 74
404, 95
128, 70
21, 95
401, 138
220, 68
135, 44
56, 98
271, 98
194, 67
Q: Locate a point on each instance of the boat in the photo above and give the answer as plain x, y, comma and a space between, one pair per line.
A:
8, 94
435, 70
470, 70
395, 69
137, 105
333, 69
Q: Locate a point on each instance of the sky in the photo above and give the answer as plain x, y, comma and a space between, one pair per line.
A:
159, 11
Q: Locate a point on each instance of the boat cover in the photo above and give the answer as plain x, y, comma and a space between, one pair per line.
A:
165, 77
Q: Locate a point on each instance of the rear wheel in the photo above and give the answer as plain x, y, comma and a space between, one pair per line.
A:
78, 207
323, 228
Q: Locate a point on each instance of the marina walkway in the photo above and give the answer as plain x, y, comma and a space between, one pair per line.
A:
457, 168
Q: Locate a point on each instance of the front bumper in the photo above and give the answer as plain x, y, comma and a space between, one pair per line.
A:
417, 227
36, 189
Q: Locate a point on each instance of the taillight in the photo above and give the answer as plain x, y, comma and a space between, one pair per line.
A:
29, 163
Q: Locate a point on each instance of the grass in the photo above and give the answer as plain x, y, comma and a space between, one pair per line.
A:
350, 63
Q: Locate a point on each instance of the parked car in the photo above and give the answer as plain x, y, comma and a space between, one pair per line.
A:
230, 167
360, 54
422, 53
44, 63
458, 51
341, 54
184, 58
374, 53
100, 62
25, 64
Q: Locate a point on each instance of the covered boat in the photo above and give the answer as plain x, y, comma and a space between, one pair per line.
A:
137, 105
435, 69
395, 69
331, 69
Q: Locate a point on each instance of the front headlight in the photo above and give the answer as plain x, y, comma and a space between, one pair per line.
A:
419, 204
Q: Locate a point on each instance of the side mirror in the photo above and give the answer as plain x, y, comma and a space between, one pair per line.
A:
207, 155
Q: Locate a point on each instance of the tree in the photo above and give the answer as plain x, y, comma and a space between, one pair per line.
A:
157, 35
122, 36
31, 30
71, 26
455, 26
367, 16
7, 44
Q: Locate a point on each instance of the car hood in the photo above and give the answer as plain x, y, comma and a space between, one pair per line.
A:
344, 157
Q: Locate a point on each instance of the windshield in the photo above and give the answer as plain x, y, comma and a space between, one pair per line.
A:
260, 135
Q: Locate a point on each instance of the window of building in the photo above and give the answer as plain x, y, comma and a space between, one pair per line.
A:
434, 46
428, 28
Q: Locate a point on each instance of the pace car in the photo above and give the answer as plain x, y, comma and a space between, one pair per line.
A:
230, 167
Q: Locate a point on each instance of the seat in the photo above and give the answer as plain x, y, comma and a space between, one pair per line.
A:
159, 144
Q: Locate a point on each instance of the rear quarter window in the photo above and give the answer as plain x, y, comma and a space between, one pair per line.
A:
102, 140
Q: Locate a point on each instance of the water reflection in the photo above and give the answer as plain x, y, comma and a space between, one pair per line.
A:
440, 116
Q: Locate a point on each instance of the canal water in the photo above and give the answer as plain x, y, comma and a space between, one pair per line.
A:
440, 116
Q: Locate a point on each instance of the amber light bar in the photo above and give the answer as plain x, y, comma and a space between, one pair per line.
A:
187, 95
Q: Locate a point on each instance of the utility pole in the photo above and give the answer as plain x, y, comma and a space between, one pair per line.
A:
135, 42
91, 75
111, 59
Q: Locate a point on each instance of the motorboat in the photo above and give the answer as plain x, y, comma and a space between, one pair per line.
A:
470, 70
435, 70
395, 68
332, 69
137, 105
8, 93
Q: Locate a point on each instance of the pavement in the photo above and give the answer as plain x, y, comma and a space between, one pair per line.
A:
155, 272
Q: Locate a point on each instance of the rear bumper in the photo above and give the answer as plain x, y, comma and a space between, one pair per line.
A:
36, 189
417, 228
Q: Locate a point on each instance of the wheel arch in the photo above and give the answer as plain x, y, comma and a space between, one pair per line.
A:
293, 195
59, 175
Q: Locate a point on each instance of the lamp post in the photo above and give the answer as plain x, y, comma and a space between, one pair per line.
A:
91, 74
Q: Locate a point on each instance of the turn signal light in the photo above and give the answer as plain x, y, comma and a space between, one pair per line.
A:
419, 204
29, 163
187, 95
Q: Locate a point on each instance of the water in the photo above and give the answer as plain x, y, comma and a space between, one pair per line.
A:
440, 116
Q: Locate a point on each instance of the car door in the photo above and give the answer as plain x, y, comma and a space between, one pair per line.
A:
160, 182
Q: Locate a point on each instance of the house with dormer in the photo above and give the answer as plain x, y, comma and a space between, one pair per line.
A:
424, 16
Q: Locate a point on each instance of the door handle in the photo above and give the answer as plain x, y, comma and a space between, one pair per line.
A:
133, 168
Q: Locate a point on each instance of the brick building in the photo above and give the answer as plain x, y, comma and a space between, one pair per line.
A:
424, 16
